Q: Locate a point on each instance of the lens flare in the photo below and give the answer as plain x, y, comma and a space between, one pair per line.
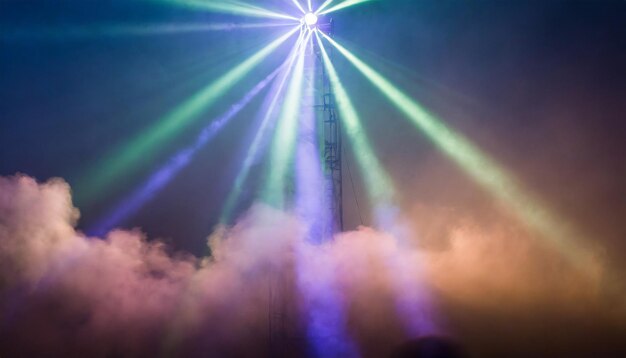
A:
297, 4
310, 19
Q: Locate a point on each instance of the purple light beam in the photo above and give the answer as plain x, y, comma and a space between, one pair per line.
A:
174, 165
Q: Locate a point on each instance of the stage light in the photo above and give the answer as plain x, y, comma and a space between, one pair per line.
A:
310, 19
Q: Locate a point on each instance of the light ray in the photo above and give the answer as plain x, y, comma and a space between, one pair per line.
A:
232, 7
343, 5
121, 162
480, 167
282, 150
174, 165
252, 152
324, 5
258, 8
412, 301
310, 6
380, 188
116, 30
297, 3
309, 176
326, 324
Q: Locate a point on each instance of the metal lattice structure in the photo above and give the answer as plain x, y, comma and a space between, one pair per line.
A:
282, 338
332, 150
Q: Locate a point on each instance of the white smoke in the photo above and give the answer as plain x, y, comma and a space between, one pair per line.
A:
62, 293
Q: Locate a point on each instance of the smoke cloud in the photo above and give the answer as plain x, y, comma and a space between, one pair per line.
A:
62, 293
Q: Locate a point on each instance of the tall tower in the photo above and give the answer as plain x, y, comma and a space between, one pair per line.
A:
332, 146
284, 328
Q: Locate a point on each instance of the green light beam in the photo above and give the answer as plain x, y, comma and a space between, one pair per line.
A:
231, 7
343, 5
283, 145
258, 8
242, 176
324, 5
112, 30
121, 162
380, 187
482, 169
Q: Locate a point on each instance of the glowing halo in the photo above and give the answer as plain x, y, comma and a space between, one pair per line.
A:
310, 19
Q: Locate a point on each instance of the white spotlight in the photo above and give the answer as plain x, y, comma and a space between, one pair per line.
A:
310, 19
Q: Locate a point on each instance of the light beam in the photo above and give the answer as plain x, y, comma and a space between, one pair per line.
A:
412, 301
326, 325
324, 5
282, 150
297, 3
231, 7
174, 165
122, 162
480, 167
309, 176
379, 185
343, 5
115, 30
253, 150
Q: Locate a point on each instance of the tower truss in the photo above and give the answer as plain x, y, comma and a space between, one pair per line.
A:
332, 144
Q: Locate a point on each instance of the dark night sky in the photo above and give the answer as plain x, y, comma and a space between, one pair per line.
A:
538, 85
540, 80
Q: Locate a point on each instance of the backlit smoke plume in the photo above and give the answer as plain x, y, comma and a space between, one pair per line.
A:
62, 293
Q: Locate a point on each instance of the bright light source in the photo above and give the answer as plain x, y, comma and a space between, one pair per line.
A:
310, 19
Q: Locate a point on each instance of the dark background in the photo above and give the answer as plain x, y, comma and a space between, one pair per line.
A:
538, 85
